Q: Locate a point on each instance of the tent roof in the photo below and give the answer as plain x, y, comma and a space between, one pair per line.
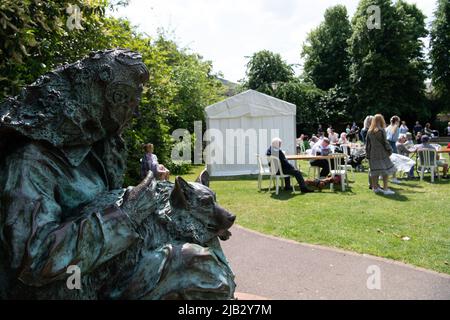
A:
250, 103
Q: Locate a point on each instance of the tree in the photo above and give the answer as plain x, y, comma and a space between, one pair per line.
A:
387, 65
326, 50
440, 53
35, 37
265, 70
307, 98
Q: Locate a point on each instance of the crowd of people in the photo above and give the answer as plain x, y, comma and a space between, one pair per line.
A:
380, 142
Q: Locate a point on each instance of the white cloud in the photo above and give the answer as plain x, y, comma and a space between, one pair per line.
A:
226, 31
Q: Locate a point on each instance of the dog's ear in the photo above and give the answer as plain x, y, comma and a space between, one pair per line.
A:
178, 197
203, 178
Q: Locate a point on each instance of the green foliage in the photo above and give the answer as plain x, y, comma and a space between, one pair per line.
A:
440, 53
265, 70
307, 98
35, 39
325, 51
336, 105
388, 68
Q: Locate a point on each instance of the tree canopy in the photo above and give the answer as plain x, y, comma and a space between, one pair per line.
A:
265, 70
387, 64
440, 53
326, 50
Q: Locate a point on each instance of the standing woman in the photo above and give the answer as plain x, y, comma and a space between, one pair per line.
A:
365, 129
378, 151
393, 133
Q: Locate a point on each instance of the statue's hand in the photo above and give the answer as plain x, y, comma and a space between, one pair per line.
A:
137, 201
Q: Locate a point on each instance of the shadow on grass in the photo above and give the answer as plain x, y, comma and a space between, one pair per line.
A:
436, 181
238, 178
409, 185
396, 197
285, 195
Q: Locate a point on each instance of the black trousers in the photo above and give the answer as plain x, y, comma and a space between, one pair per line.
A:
323, 164
297, 174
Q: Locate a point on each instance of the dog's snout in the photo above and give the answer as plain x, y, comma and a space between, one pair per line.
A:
231, 218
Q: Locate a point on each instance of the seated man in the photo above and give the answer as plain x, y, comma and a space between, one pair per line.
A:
441, 163
322, 149
275, 150
149, 162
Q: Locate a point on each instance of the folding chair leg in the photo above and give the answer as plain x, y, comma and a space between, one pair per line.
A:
421, 174
270, 183
343, 182
432, 175
277, 186
259, 182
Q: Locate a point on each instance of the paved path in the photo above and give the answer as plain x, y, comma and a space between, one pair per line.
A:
282, 269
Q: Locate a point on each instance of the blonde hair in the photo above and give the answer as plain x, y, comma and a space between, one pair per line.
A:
147, 147
378, 123
395, 121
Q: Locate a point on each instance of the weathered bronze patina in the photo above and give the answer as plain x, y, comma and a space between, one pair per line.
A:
62, 204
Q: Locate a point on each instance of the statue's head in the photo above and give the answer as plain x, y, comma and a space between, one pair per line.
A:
197, 213
79, 103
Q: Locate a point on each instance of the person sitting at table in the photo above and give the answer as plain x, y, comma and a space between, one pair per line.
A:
440, 163
343, 139
333, 137
404, 150
288, 169
322, 149
409, 140
419, 138
313, 141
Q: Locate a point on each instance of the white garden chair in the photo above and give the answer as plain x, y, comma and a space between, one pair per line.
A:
275, 167
264, 170
348, 167
336, 160
315, 170
428, 160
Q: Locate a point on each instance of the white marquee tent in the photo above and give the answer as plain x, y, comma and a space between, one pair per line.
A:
242, 126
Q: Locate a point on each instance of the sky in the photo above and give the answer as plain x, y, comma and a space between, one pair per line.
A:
227, 32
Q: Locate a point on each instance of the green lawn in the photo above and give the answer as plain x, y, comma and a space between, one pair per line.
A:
356, 220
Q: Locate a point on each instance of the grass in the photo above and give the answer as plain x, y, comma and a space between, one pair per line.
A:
355, 220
